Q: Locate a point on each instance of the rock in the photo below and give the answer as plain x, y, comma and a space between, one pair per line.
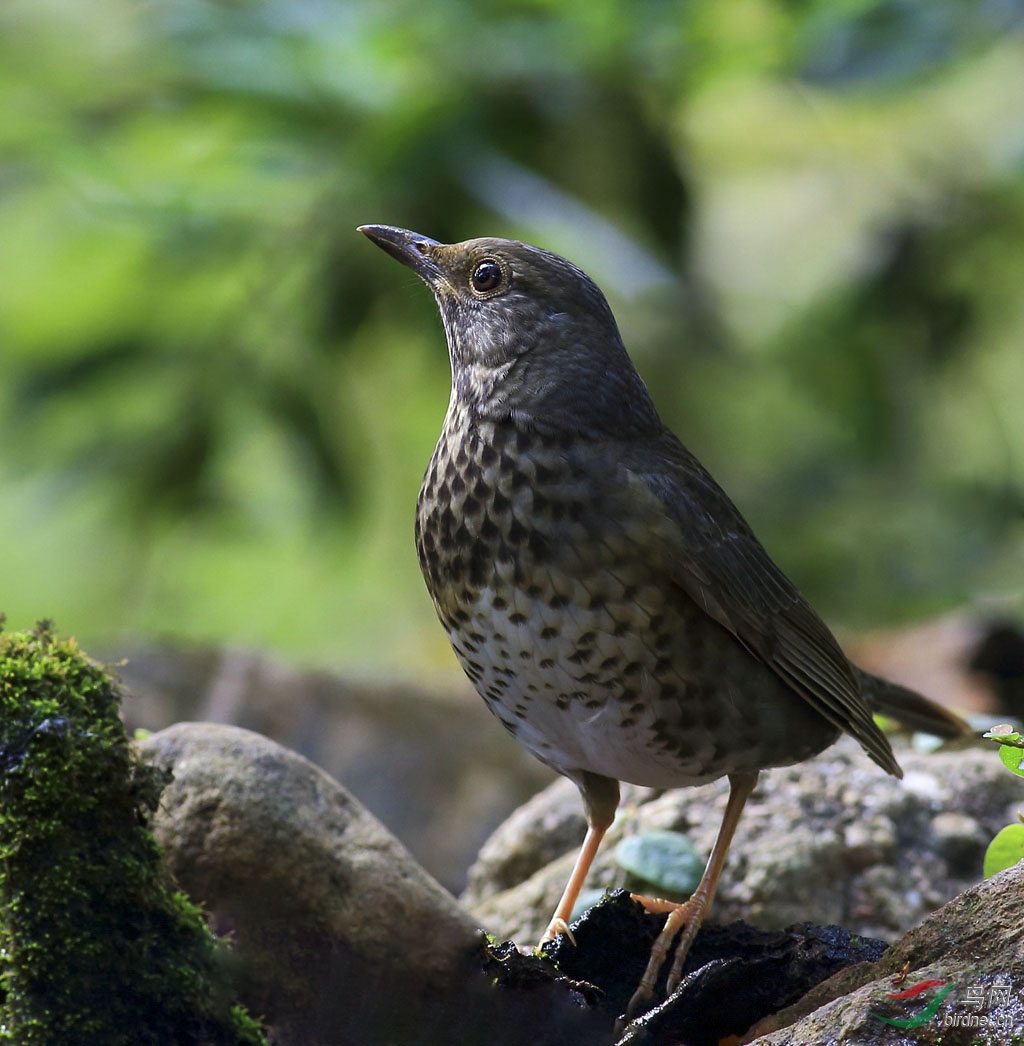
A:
541, 830
833, 841
342, 939
733, 975
338, 931
961, 840
973, 948
957, 980
352, 728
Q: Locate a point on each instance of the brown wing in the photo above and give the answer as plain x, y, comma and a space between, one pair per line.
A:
719, 563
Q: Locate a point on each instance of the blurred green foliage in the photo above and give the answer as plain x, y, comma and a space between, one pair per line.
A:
217, 399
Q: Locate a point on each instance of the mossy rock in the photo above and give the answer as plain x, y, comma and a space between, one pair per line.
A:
96, 944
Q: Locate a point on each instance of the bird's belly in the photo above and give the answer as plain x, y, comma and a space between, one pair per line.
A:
646, 690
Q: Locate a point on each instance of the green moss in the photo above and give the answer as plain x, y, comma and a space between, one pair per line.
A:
96, 944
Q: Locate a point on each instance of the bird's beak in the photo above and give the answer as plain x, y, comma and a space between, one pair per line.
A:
410, 248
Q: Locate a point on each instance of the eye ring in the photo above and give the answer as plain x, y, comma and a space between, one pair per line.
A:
487, 277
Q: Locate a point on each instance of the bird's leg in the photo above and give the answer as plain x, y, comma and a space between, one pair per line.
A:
600, 798
584, 859
691, 913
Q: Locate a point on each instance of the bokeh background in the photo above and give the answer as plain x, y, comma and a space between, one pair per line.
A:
217, 399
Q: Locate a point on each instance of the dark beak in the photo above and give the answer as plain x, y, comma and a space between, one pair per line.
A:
410, 248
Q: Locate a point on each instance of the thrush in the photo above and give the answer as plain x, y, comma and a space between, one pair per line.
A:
603, 594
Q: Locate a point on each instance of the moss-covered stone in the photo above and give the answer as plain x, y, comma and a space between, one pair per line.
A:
96, 944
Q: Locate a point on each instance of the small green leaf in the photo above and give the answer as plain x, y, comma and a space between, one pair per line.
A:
664, 859
1005, 850
1005, 734
1011, 758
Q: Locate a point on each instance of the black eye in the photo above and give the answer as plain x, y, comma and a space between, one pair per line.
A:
486, 276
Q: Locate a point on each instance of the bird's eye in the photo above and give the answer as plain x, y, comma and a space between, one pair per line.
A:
487, 276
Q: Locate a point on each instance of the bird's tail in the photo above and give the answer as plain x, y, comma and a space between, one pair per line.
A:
908, 707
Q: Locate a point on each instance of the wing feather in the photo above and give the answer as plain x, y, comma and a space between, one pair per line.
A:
716, 559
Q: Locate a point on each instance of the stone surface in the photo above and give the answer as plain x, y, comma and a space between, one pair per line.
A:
831, 841
334, 921
342, 939
974, 944
443, 750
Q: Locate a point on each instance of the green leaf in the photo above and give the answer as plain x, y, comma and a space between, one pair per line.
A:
1011, 758
1005, 850
1005, 734
664, 859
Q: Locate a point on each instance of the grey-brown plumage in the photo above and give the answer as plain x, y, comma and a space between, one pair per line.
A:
604, 595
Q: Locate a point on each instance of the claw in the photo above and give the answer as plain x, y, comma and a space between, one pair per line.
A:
688, 914
556, 927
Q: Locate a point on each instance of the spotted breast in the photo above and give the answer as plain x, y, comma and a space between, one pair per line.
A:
559, 608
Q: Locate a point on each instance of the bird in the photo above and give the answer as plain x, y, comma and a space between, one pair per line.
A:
603, 594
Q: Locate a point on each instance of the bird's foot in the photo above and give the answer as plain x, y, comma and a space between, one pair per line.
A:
557, 926
657, 905
687, 917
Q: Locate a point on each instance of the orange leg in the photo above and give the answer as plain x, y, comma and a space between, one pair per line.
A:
691, 913
588, 851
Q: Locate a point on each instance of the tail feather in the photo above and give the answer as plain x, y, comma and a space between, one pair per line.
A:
909, 708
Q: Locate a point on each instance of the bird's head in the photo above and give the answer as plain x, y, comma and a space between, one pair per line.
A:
530, 335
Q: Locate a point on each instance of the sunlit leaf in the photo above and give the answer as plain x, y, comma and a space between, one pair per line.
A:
1011, 757
1005, 850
